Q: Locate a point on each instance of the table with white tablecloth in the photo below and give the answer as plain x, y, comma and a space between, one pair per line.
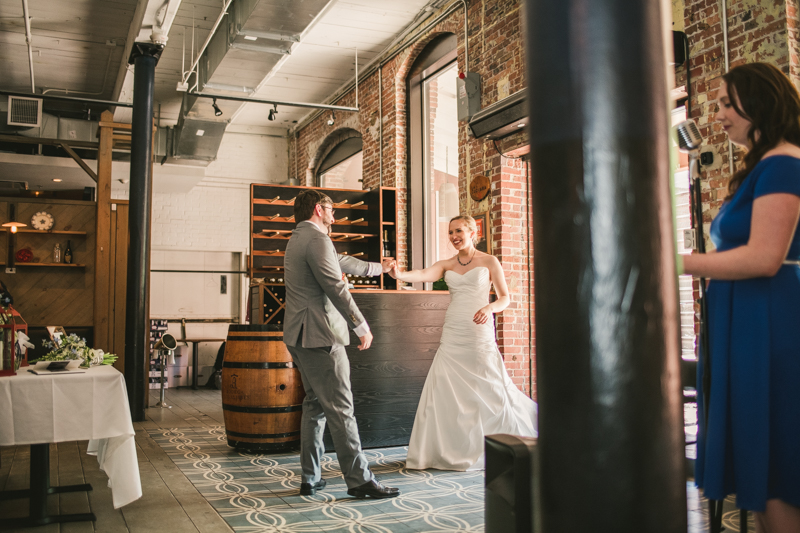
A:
93, 406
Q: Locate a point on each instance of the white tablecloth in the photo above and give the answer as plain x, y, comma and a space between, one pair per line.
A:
37, 409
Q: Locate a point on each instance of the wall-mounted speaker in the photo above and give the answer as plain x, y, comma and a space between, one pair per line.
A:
509, 494
679, 48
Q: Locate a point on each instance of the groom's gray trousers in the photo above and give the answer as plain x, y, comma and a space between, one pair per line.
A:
326, 379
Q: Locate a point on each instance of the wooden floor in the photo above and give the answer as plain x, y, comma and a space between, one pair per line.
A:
169, 502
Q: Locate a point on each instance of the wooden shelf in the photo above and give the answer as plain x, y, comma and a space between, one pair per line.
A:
48, 232
337, 207
275, 218
56, 265
285, 235
387, 223
269, 253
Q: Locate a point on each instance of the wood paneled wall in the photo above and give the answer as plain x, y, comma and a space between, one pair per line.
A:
51, 295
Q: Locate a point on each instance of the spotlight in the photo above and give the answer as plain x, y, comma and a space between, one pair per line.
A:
217, 110
332, 119
273, 112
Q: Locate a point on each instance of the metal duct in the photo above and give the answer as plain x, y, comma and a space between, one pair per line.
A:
248, 43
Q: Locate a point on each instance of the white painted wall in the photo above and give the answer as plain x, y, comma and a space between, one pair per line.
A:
207, 228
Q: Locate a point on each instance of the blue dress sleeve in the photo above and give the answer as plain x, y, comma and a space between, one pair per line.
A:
781, 174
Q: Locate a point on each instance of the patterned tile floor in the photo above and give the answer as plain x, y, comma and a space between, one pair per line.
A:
261, 492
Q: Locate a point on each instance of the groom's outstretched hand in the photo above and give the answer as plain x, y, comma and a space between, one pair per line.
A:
366, 341
388, 265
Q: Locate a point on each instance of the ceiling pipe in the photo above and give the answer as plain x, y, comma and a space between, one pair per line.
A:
275, 102
726, 51
71, 99
29, 40
208, 39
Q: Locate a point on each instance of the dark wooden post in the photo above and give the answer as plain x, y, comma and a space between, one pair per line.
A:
144, 56
611, 454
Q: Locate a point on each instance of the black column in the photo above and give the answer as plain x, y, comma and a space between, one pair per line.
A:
144, 57
611, 449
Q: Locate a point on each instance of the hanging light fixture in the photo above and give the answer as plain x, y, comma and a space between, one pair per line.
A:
332, 119
12, 208
217, 110
273, 112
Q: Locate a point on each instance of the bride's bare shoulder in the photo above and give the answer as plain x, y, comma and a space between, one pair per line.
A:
487, 260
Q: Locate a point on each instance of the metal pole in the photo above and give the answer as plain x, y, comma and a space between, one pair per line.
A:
29, 40
607, 332
144, 56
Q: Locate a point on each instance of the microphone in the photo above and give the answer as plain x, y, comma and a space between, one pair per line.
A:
689, 138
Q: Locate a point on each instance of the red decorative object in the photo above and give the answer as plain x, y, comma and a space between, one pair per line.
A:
24, 255
10, 322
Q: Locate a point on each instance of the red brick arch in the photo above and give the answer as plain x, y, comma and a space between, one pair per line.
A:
330, 142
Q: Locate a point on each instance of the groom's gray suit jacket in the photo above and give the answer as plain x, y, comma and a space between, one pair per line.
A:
318, 304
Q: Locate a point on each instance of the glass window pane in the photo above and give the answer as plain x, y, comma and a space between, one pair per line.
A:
441, 162
345, 175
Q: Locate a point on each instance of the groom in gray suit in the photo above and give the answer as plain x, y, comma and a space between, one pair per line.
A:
319, 312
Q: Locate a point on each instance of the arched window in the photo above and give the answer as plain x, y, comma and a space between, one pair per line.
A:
341, 167
433, 150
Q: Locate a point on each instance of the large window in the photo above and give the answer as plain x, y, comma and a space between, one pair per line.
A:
432, 151
441, 162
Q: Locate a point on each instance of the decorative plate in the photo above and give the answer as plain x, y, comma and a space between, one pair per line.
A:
42, 221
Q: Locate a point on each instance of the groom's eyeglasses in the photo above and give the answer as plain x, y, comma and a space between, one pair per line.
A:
327, 207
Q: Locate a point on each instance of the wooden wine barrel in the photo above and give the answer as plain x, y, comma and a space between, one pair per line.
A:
262, 392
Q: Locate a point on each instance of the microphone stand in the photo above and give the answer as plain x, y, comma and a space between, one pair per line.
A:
696, 199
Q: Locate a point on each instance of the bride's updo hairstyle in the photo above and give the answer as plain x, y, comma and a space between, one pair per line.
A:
469, 222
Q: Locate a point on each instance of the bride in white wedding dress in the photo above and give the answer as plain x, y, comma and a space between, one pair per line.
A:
467, 393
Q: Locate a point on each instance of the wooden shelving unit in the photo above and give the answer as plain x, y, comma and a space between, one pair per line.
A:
43, 232
364, 227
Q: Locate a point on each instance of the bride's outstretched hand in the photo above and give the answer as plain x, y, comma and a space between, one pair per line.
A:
483, 314
394, 272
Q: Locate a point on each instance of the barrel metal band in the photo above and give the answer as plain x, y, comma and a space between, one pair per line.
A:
233, 364
262, 435
254, 338
246, 409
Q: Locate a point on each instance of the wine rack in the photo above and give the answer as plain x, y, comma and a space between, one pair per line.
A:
364, 227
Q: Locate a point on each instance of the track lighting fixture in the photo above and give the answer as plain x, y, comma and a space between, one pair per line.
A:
273, 112
332, 119
217, 110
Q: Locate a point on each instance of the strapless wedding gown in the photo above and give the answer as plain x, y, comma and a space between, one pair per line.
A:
467, 393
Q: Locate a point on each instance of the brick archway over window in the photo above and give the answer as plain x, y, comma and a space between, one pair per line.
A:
335, 138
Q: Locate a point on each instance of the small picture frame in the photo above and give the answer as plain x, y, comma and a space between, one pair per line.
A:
484, 232
56, 334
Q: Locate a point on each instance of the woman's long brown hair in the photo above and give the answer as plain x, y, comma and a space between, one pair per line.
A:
771, 103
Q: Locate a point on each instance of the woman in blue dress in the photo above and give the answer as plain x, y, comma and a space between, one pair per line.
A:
751, 445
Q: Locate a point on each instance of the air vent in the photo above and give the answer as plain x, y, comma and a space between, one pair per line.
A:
12, 187
24, 111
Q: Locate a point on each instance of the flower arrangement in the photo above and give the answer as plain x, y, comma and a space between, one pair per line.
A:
72, 347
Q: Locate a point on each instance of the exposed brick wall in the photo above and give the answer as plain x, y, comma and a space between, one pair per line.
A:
757, 31
496, 54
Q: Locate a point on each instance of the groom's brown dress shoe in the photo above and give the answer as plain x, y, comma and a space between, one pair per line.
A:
373, 489
309, 489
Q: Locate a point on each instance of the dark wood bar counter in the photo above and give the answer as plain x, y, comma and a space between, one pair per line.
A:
387, 378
